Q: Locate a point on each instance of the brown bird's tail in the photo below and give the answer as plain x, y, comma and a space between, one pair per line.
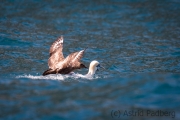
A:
49, 71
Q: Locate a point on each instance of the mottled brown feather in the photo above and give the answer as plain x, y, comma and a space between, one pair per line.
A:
75, 57
56, 54
58, 44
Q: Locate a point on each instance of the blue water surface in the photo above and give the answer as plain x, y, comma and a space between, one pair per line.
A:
137, 41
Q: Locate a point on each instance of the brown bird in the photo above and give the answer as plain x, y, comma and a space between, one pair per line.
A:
58, 64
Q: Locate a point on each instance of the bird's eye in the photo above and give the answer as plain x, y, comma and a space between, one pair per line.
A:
98, 65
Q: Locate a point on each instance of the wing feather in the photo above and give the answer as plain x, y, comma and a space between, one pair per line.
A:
58, 44
56, 54
78, 56
75, 57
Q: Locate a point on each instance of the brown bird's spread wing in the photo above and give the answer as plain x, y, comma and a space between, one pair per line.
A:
75, 57
56, 54
58, 44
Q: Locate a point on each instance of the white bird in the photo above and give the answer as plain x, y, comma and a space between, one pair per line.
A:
93, 67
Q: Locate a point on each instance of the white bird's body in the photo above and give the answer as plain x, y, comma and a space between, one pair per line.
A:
93, 67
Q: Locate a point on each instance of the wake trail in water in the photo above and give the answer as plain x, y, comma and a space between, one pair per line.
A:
74, 76
49, 77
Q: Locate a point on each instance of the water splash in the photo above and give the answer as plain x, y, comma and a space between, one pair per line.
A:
73, 76
40, 77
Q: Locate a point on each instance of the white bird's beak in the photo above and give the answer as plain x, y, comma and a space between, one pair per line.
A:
99, 66
102, 67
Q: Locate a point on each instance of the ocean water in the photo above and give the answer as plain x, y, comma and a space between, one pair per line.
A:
137, 41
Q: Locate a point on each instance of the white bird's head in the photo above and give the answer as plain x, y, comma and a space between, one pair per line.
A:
94, 65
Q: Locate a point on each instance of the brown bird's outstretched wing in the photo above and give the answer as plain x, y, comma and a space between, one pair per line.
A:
74, 58
55, 52
58, 44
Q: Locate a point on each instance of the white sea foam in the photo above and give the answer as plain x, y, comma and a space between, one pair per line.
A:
48, 77
74, 76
